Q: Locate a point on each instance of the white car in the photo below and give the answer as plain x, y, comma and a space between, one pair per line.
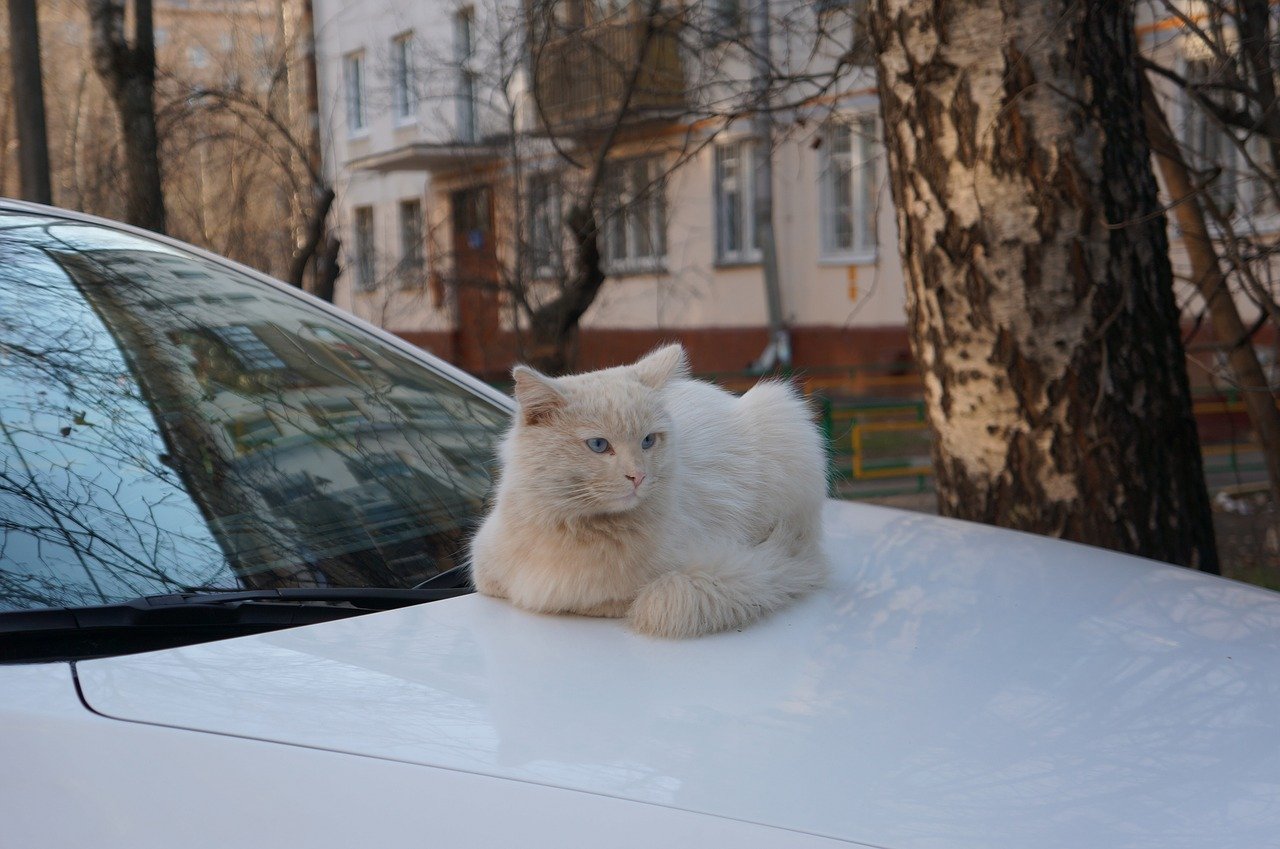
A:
193, 459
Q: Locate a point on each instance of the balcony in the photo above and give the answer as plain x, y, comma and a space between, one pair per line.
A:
581, 76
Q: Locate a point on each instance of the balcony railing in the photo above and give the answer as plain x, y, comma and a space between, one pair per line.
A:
582, 77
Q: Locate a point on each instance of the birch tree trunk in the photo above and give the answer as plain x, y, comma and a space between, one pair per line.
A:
1039, 290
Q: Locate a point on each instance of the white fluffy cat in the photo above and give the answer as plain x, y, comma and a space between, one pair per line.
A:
635, 491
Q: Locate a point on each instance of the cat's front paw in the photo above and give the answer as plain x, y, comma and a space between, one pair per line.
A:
673, 606
488, 586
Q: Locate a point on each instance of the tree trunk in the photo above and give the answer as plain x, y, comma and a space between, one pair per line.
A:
553, 327
316, 230
1207, 274
1039, 287
28, 97
327, 268
144, 202
129, 74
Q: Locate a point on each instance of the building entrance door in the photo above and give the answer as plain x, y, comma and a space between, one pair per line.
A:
475, 260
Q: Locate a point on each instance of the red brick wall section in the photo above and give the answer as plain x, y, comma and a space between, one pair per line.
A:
823, 356
716, 349
721, 349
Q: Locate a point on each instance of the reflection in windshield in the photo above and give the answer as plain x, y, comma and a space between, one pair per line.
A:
166, 423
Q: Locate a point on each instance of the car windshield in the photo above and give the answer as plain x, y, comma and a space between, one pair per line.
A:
170, 424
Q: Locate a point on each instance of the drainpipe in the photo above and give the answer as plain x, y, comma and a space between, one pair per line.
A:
777, 352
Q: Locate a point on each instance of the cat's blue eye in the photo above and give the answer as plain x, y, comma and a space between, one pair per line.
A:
648, 441
598, 444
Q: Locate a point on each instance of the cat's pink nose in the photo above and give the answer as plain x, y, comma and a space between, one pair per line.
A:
636, 479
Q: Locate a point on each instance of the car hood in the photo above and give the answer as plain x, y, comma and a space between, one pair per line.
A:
954, 685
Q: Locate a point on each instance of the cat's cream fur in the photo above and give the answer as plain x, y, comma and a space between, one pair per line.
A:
717, 524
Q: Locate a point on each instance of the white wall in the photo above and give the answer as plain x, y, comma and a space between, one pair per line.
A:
693, 292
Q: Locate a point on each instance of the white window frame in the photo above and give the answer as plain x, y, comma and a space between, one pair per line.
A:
353, 87
1248, 196
413, 255
544, 210
742, 153
1198, 127
404, 100
626, 246
861, 162
464, 49
365, 242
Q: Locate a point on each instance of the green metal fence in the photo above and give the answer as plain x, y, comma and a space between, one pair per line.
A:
878, 435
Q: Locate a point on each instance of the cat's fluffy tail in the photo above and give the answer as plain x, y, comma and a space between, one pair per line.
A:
726, 588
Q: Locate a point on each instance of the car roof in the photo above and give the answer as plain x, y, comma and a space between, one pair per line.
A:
954, 685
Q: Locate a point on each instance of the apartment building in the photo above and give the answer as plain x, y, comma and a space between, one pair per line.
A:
450, 141
451, 171
1209, 73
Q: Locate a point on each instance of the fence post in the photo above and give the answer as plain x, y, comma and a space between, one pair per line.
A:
827, 424
920, 481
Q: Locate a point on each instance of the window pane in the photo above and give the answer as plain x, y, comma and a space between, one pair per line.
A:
754, 156
248, 348
543, 204
837, 194
1212, 147
463, 39
868, 182
411, 235
641, 210
659, 202
402, 76
653, 202
729, 197
466, 107
633, 213
465, 91
364, 248
616, 236
840, 137
727, 20
355, 92
612, 224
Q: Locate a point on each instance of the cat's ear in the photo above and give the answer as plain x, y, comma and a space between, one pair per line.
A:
537, 394
666, 363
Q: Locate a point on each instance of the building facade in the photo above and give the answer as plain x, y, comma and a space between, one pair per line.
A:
445, 135
450, 135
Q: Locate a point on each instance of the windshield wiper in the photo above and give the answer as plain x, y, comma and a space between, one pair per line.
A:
176, 619
219, 606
